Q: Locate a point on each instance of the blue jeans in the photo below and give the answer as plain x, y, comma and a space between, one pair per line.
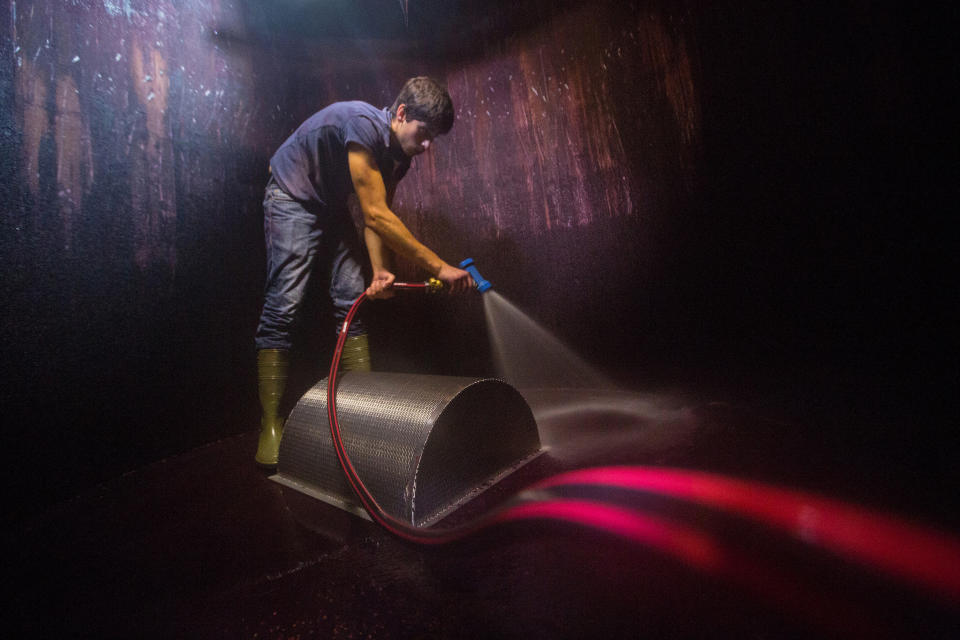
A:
301, 242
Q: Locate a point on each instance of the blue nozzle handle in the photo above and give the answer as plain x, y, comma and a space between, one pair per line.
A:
482, 285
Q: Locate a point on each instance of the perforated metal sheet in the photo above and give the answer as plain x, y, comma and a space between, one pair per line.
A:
421, 444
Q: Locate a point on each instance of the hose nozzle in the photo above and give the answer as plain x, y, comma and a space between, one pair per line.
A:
482, 284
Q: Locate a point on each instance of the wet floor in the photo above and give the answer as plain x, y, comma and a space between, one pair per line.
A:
204, 545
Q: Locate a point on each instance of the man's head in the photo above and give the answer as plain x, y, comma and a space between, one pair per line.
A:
421, 112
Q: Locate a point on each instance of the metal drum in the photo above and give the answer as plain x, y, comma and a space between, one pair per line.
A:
423, 445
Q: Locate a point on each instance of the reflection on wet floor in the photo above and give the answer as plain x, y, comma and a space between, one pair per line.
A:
203, 545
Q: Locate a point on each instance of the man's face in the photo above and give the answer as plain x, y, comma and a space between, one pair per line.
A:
414, 136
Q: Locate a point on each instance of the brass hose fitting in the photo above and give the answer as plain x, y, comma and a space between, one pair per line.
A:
434, 286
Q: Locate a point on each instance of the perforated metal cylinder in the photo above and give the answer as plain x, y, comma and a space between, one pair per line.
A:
422, 444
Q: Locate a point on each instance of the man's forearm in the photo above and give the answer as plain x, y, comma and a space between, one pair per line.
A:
391, 231
377, 214
378, 252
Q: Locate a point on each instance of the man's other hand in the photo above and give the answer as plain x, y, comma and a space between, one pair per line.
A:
456, 280
381, 287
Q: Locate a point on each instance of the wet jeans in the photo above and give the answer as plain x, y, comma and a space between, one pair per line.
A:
302, 244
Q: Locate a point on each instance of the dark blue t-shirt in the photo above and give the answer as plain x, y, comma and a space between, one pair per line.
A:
311, 165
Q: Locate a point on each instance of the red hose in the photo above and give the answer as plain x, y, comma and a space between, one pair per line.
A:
395, 526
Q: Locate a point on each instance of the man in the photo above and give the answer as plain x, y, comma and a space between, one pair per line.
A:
346, 148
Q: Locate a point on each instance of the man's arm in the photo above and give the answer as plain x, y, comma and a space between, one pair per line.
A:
379, 253
381, 257
380, 286
379, 219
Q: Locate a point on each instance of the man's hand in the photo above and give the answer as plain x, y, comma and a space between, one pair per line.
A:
456, 280
382, 286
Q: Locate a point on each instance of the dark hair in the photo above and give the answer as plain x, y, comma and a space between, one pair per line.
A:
428, 101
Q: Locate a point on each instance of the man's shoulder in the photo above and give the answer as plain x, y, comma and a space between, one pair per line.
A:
339, 113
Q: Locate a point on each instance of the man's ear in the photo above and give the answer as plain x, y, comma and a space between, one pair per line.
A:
401, 112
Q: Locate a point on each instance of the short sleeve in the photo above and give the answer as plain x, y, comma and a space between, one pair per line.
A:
362, 131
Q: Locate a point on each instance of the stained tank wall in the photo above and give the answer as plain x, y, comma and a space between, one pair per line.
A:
711, 195
136, 140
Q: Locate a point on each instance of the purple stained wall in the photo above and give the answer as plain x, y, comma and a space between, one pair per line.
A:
695, 194
136, 139
575, 150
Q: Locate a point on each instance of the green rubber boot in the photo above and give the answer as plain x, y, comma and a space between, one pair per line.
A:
272, 366
356, 354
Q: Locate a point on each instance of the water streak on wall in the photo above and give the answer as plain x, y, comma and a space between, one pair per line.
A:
34, 119
122, 77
